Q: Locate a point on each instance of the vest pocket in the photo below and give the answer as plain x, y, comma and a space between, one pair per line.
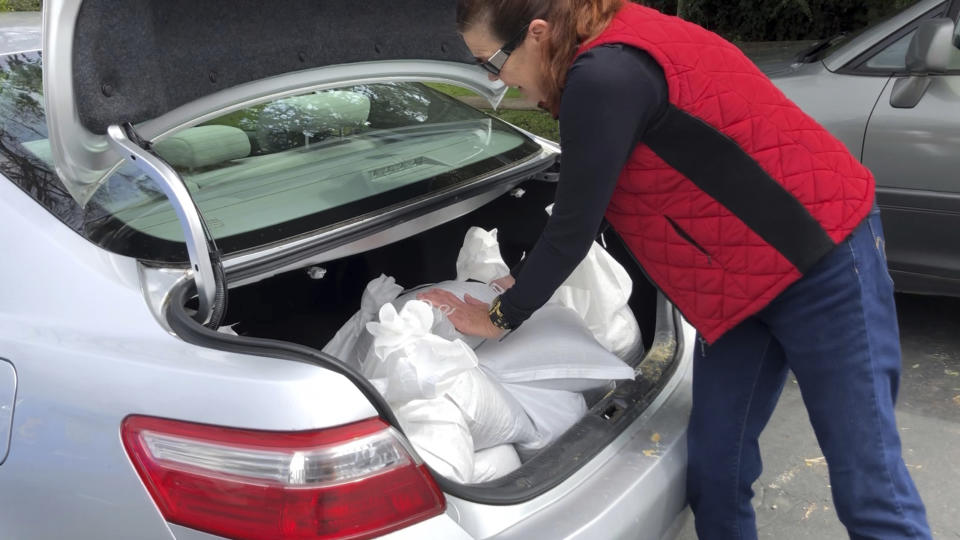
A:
683, 234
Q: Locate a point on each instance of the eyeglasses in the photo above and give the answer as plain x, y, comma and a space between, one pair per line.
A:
495, 63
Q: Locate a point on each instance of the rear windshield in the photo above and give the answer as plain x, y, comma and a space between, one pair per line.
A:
280, 169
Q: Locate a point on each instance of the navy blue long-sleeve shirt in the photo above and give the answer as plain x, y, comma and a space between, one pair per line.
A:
613, 93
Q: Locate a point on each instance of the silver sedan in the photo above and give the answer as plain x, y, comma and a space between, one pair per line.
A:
892, 94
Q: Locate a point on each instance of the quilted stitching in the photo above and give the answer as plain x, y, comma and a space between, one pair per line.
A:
712, 80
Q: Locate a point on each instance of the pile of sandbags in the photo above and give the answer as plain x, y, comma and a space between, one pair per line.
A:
472, 407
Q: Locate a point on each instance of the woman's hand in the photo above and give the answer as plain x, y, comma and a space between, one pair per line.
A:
503, 283
469, 316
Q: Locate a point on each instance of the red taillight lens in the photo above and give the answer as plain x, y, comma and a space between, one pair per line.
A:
355, 481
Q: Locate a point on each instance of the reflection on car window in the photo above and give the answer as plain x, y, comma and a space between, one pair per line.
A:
894, 57
24, 151
306, 162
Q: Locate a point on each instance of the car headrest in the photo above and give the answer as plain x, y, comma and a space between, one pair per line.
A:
203, 146
316, 113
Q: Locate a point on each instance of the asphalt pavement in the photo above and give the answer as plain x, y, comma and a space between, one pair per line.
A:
793, 496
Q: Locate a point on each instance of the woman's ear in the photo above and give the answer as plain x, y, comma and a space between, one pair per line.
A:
538, 30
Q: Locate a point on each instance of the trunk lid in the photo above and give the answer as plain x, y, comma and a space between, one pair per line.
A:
157, 64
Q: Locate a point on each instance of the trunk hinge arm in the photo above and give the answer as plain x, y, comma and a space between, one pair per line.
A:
200, 245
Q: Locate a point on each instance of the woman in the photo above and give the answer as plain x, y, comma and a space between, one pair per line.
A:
755, 222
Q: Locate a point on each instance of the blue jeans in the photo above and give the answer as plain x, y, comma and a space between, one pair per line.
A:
836, 329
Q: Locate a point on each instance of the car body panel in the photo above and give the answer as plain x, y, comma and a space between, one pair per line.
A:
440, 527
81, 371
8, 398
842, 106
913, 155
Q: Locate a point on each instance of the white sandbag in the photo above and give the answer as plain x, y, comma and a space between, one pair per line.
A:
493, 415
494, 463
415, 363
554, 350
599, 289
438, 431
553, 412
479, 258
442, 325
346, 344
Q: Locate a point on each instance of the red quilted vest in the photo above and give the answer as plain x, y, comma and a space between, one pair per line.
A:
735, 193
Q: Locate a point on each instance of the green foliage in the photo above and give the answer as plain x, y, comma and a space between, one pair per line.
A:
459, 91
779, 20
536, 122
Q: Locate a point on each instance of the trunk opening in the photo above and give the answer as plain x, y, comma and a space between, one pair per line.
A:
302, 314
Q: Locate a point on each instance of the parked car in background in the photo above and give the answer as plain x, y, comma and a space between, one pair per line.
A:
891, 93
161, 157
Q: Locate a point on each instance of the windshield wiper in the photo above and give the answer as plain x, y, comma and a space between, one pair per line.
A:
812, 53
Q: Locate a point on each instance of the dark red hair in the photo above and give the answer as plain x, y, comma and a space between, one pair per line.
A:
572, 22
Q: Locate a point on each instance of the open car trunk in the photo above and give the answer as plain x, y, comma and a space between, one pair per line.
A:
297, 308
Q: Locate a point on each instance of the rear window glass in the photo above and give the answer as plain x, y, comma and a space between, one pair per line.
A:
269, 172
312, 161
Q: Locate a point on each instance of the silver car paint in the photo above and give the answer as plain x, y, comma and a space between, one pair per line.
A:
88, 353
899, 139
843, 101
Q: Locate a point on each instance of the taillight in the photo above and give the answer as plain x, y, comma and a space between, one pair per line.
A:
354, 481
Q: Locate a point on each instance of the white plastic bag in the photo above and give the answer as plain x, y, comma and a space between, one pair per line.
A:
415, 363
555, 350
439, 433
493, 415
480, 258
494, 463
553, 412
346, 345
599, 289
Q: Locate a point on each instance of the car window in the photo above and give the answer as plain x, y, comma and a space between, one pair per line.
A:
311, 161
268, 172
894, 57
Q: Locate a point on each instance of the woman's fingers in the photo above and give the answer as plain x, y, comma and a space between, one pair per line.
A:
442, 300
